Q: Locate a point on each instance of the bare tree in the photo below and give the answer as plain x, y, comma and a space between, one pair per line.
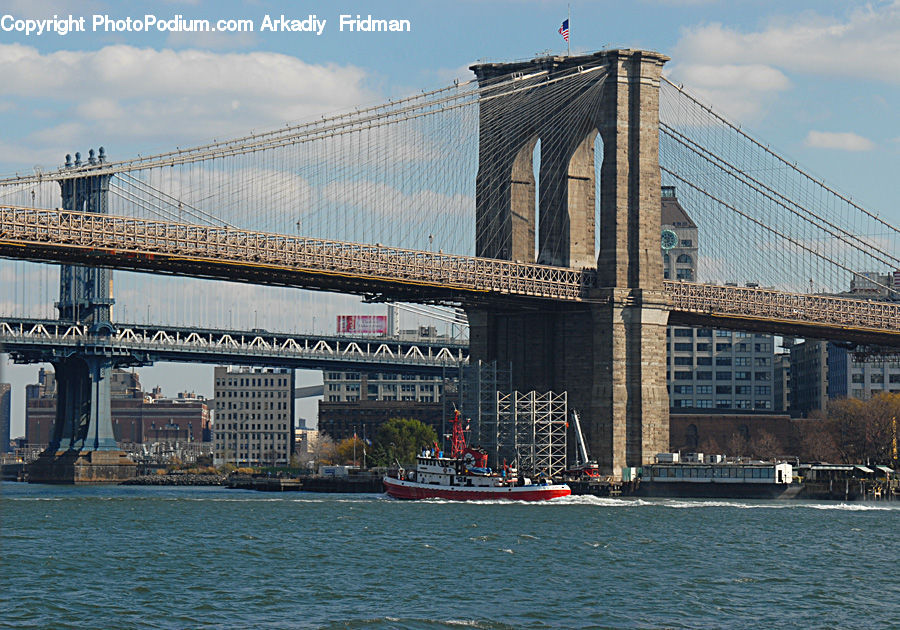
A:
764, 446
322, 449
737, 445
817, 442
709, 445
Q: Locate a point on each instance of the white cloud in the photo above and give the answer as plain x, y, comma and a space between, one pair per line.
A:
845, 141
739, 90
741, 72
863, 45
119, 94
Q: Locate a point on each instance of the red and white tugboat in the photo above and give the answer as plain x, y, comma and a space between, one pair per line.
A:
464, 476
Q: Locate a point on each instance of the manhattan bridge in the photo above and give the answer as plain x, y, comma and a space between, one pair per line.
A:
529, 197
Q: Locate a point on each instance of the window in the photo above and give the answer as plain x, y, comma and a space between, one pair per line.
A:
704, 360
683, 347
742, 347
704, 403
704, 376
686, 242
763, 390
704, 332
686, 402
894, 378
684, 332
763, 376
723, 333
704, 347
857, 378
763, 404
762, 347
723, 361
877, 378
762, 361
684, 274
684, 360
723, 347
685, 259
742, 361
723, 376
742, 376
683, 376
723, 389
704, 389
683, 389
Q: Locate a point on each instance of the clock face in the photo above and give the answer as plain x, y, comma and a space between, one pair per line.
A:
669, 239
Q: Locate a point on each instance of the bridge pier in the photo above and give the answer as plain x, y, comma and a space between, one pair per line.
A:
83, 448
608, 352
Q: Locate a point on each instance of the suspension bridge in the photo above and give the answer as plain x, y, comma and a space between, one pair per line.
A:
529, 196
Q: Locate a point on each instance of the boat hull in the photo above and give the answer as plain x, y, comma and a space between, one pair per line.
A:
688, 490
411, 490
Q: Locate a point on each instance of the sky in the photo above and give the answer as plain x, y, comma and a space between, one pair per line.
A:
819, 81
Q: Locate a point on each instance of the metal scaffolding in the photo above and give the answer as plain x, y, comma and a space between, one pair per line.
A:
479, 384
536, 424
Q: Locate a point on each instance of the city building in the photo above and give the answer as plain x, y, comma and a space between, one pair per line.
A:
362, 418
360, 386
809, 377
359, 402
707, 368
875, 285
852, 376
5, 416
137, 418
823, 371
254, 416
781, 385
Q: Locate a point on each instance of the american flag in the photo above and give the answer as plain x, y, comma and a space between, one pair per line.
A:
564, 30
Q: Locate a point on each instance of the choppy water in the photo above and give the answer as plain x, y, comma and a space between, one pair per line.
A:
126, 557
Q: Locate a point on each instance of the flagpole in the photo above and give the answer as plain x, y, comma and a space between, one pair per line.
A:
569, 20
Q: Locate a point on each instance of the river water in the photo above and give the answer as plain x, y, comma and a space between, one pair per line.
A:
151, 557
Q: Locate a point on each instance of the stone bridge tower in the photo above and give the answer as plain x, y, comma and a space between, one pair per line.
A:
609, 352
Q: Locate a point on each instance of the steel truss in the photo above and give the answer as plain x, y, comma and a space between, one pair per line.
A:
27, 339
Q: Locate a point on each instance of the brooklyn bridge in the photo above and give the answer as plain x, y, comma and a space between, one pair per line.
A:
530, 197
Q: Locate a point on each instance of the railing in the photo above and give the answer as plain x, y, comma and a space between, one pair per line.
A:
216, 245
768, 304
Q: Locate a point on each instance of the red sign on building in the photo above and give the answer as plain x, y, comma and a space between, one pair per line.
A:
362, 324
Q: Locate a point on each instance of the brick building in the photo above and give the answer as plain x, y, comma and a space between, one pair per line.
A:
137, 418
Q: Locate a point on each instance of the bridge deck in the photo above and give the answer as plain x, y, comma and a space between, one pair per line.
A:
30, 340
265, 258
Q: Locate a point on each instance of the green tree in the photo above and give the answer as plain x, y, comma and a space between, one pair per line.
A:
346, 449
401, 439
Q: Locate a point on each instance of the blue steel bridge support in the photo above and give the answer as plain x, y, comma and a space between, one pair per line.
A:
82, 448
